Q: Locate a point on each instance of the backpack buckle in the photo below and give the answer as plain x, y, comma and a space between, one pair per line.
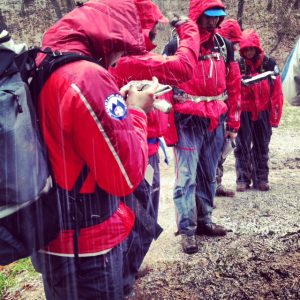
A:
56, 53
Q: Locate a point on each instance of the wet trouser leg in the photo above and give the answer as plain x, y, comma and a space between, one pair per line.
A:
96, 277
220, 168
262, 131
209, 154
243, 150
186, 154
140, 239
153, 206
220, 171
252, 149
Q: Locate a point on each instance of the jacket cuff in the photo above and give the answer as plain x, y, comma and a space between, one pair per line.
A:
137, 108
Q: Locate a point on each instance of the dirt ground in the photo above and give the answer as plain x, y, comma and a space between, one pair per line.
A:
258, 259
260, 256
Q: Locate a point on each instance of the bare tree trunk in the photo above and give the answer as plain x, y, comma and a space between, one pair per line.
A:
240, 12
57, 9
70, 4
2, 22
270, 5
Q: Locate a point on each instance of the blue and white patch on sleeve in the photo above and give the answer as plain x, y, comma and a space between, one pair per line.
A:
116, 107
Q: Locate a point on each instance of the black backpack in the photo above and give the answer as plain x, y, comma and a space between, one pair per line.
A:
30, 202
221, 45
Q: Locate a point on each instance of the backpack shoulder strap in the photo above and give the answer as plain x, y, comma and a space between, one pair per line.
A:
52, 61
269, 64
243, 66
225, 48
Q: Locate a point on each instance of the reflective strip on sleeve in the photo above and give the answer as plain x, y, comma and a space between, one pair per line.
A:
106, 138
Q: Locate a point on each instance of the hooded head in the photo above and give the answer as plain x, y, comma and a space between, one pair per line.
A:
150, 15
100, 29
250, 39
211, 8
231, 30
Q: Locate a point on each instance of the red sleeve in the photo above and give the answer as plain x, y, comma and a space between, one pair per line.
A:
171, 136
79, 128
169, 70
233, 82
114, 150
276, 102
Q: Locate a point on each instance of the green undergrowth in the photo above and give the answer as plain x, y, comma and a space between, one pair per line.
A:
16, 275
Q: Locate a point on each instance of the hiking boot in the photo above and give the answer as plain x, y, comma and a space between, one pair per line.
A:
223, 191
263, 186
210, 229
242, 187
189, 244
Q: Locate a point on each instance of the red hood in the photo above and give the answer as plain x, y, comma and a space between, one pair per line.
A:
150, 15
197, 8
231, 30
98, 28
250, 39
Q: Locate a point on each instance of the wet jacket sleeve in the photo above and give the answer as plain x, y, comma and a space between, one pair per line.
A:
233, 82
115, 150
276, 102
169, 70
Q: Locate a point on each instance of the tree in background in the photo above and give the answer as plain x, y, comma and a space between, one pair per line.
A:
240, 13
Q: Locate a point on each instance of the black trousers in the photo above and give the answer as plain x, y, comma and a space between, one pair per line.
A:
252, 149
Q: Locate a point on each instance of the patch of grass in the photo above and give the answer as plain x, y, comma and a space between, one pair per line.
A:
5, 283
9, 274
290, 117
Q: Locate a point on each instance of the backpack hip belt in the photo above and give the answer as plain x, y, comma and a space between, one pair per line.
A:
186, 97
85, 210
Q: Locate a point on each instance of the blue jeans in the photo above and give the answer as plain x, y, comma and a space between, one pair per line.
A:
97, 277
252, 149
196, 158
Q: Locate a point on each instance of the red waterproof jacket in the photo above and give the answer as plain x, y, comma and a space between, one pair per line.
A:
85, 120
263, 95
169, 70
212, 77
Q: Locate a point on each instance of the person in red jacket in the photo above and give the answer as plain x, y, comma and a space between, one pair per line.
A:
169, 70
86, 123
262, 101
202, 105
229, 29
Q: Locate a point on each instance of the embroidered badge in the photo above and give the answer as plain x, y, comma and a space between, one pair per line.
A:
116, 107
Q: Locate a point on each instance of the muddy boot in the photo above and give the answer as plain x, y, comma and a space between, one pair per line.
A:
242, 187
223, 191
211, 229
189, 244
262, 186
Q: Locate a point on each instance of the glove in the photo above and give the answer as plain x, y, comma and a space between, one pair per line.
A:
178, 20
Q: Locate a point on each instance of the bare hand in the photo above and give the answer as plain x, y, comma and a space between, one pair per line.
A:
143, 99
